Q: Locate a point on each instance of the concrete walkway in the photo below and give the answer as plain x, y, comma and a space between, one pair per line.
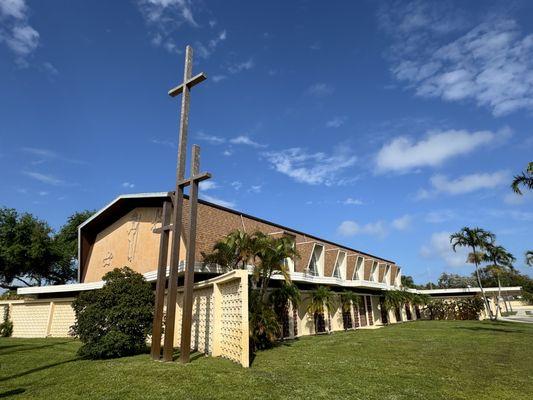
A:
520, 316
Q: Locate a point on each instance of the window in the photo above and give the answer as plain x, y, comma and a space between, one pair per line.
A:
316, 263
386, 277
358, 273
340, 265
374, 271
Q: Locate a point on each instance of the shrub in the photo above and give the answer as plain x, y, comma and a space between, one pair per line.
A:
462, 309
114, 321
264, 325
6, 327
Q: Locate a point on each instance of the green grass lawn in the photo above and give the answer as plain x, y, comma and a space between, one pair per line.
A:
418, 360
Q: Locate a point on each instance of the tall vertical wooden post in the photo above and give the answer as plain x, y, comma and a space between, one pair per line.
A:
168, 348
177, 201
161, 282
186, 321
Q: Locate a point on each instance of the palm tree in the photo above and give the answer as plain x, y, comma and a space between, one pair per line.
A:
524, 179
475, 239
501, 260
529, 258
265, 253
320, 298
267, 256
280, 298
272, 254
347, 300
234, 251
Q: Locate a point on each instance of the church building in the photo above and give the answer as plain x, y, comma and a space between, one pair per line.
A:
125, 233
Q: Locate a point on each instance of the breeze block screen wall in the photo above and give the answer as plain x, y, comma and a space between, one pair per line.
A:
220, 317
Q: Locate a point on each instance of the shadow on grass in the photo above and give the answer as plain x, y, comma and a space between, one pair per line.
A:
495, 326
279, 343
33, 370
27, 348
195, 355
12, 393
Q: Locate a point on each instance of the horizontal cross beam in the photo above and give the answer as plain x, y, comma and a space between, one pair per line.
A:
195, 80
196, 178
168, 227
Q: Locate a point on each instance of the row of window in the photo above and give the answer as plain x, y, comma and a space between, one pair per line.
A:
316, 266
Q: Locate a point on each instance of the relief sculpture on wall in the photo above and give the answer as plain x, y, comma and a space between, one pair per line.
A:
133, 233
157, 219
107, 259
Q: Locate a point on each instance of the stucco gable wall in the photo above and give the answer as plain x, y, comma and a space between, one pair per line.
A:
129, 241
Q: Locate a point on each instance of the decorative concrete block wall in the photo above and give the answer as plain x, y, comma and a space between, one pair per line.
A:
40, 318
220, 317
219, 323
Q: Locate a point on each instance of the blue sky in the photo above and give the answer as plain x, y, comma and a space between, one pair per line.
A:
381, 125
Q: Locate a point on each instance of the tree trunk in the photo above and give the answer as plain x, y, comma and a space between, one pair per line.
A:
487, 305
499, 297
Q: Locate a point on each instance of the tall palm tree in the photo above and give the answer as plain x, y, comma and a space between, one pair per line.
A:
529, 258
500, 260
280, 298
475, 239
234, 251
348, 299
272, 254
524, 179
321, 297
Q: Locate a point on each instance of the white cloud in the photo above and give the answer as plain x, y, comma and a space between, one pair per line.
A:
13, 8
15, 30
513, 199
44, 178
128, 185
50, 68
227, 152
236, 185
520, 216
469, 183
204, 51
319, 90
489, 63
237, 140
336, 122
255, 189
43, 193
352, 228
439, 247
164, 142
312, 168
208, 185
165, 17
402, 154
402, 223
239, 67
210, 138
351, 201
167, 11
50, 155
220, 202
245, 140
439, 216
218, 78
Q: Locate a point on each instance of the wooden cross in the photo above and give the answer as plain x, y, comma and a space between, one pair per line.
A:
175, 226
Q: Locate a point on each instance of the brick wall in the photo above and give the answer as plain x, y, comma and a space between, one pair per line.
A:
213, 224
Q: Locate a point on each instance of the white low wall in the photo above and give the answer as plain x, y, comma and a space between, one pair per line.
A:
40, 318
219, 323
